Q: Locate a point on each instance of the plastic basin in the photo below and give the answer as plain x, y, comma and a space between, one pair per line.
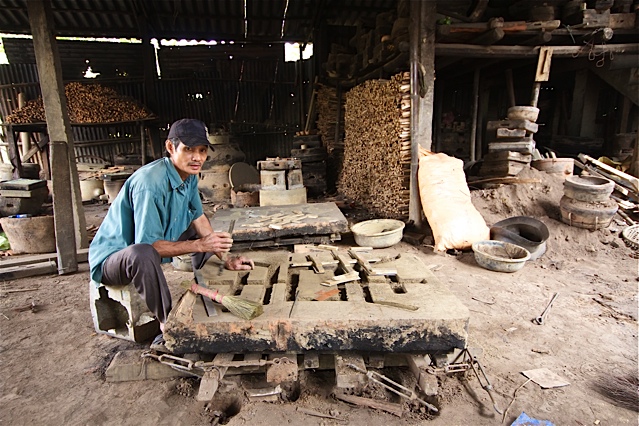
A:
378, 233
500, 256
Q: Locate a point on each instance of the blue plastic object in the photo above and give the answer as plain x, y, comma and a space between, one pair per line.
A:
524, 420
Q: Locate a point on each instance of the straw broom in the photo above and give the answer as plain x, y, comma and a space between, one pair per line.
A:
245, 309
622, 389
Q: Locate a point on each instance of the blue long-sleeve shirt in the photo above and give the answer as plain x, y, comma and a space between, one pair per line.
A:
154, 204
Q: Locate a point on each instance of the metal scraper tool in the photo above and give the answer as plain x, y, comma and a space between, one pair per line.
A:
230, 231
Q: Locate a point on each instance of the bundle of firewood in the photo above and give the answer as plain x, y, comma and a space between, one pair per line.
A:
377, 153
86, 103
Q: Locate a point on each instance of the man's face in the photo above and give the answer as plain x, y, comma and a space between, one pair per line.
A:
187, 160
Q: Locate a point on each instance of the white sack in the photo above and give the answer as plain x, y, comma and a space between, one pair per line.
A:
455, 222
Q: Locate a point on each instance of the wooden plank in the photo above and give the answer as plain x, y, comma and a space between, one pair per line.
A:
625, 21
317, 263
631, 181
494, 52
31, 270
389, 407
502, 180
543, 64
82, 255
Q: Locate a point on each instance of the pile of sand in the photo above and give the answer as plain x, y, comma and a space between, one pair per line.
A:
541, 201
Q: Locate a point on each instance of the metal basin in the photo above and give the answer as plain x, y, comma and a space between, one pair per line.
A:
525, 231
500, 256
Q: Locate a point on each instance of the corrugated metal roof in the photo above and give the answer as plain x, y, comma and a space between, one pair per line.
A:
109, 59
194, 19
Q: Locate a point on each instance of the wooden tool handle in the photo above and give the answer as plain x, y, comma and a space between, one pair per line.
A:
212, 294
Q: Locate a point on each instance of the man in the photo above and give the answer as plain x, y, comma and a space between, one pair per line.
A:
157, 215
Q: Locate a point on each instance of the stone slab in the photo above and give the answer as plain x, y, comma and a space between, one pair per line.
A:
356, 324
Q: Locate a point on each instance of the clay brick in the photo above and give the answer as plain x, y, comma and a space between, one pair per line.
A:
310, 287
253, 292
259, 275
347, 377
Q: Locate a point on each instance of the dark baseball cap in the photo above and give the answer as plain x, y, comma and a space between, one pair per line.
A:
190, 132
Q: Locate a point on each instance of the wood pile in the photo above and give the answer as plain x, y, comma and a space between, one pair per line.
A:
377, 146
86, 103
327, 110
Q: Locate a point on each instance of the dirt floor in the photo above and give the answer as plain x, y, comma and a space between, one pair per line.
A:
52, 362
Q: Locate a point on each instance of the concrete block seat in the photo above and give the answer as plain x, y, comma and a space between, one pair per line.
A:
119, 311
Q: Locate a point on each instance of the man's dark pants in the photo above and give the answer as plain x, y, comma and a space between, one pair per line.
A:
140, 264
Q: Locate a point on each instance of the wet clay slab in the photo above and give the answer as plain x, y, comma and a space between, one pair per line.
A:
301, 314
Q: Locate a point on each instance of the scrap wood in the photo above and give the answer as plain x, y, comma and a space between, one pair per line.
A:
33, 307
389, 407
502, 180
318, 414
19, 290
592, 170
630, 181
365, 264
317, 264
340, 279
396, 305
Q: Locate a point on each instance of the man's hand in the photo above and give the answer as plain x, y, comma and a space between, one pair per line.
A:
216, 242
239, 263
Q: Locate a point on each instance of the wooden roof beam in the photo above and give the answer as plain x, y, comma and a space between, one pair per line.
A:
473, 51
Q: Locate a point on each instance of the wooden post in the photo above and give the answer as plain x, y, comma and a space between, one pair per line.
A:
511, 87
150, 82
24, 136
578, 101
142, 143
474, 112
59, 129
62, 198
422, 74
14, 153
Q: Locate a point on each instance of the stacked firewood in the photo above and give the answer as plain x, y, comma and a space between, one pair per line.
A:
86, 103
377, 152
327, 107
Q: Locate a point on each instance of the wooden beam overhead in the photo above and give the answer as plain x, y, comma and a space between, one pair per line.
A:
473, 51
